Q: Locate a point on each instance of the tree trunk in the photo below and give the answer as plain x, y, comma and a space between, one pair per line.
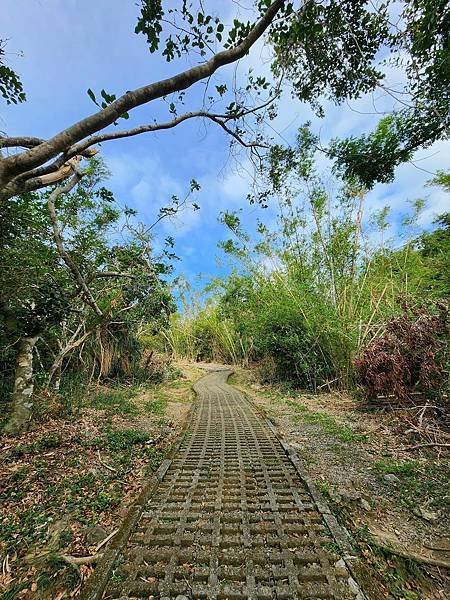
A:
55, 369
23, 387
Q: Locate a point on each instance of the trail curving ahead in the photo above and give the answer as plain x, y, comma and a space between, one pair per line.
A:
232, 518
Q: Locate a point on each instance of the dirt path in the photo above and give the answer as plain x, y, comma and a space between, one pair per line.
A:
231, 518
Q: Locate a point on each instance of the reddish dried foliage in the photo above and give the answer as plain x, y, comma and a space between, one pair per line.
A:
409, 356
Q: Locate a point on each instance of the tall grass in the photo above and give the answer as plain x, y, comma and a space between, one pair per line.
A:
205, 337
309, 293
307, 297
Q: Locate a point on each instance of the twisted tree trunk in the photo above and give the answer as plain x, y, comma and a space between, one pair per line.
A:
23, 387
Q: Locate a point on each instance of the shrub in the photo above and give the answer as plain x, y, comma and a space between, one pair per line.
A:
410, 355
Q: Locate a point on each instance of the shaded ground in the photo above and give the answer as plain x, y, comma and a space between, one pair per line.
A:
387, 497
66, 483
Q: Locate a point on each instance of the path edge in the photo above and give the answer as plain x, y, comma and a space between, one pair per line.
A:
97, 582
339, 533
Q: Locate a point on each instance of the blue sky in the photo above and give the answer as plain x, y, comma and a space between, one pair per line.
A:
69, 46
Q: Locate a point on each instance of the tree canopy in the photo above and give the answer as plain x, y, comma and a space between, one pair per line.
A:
324, 50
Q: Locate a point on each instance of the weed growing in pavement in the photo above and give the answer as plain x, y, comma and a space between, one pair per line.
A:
154, 459
323, 487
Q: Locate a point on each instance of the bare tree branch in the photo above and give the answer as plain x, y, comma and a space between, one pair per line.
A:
36, 178
71, 345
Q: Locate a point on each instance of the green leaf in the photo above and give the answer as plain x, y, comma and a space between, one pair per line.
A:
92, 96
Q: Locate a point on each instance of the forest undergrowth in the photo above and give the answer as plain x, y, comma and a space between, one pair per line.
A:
68, 482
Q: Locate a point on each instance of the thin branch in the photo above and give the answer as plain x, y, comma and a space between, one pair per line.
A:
60, 243
111, 274
36, 177
429, 445
237, 136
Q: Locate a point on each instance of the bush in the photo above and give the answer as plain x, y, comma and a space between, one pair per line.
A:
410, 355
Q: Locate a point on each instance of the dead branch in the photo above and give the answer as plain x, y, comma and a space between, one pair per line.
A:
66, 169
436, 548
106, 540
81, 560
112, 469
419, 558
427, 445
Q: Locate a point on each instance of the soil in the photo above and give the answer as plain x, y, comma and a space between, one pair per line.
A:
395, 502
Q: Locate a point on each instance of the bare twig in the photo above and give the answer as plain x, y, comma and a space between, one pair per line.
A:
427, 445
106, 540
104, 464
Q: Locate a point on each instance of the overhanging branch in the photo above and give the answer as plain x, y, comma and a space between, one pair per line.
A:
61, 142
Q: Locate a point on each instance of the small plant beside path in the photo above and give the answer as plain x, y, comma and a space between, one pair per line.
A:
68, 482
395, 500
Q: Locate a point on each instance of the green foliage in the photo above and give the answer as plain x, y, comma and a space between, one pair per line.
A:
114, 401
309, 294
418, 486
373, 157
420, 48
107, 100
206, 337
336, 50
122, 439
328, 49
199, 32
11, 88
434, 247
47, 442
41, 296
406, 468
327, 423
157, 405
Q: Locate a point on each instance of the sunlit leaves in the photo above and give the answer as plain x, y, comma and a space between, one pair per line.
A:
373, 157
193, 30
328, 49
149, 22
